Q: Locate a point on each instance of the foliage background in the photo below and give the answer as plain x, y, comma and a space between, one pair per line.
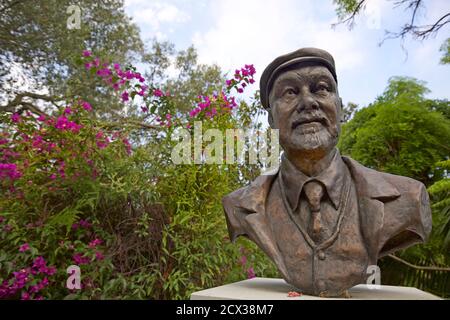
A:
139, 226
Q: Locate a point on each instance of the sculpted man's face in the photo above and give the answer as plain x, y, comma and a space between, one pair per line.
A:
305, 107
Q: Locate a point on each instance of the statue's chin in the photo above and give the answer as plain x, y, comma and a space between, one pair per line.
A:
312, 143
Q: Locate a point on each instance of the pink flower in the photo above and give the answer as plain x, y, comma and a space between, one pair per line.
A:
99, 256
127, 145
206, 104
86, 53
81, 224
38, 287
79, 259
25, 296
34, 289
105, 72
95, 243
158, 93
229, 82
85, 223
102, 144
39, 264
192, 113
250, 273
37, 141
68, 110
293, 294
250, 69
62, 123
142, 91
86, 106
15, 118
240, 90
41, 118
51, 146
129, 75
124, 96
9, 170
144, 109
24, 247
51, 271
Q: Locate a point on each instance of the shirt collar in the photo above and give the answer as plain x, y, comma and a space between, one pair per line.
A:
332, 178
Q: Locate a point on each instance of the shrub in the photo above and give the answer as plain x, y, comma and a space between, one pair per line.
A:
104, 195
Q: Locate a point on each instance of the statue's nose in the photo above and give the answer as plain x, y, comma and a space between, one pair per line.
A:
306, 101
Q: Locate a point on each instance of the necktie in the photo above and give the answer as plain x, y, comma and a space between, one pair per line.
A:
314, 192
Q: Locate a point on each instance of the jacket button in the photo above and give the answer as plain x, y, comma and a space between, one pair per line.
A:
321, 255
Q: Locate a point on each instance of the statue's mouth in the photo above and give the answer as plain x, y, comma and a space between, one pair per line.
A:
300, 122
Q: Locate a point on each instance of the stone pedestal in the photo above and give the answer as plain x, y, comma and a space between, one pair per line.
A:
277, 289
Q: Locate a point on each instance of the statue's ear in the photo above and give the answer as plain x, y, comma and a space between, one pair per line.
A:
269, 117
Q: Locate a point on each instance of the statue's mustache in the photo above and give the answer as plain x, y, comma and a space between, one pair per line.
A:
311, 118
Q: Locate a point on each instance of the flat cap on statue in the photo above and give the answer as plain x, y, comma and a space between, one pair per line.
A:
313, 55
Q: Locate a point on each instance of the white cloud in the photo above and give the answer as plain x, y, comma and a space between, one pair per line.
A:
170, 13
255, 31
152, 17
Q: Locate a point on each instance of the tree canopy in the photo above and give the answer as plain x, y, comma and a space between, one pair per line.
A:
402, 132
37, 44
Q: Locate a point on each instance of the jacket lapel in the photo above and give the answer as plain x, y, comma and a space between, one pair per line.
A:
372, 191
252, 203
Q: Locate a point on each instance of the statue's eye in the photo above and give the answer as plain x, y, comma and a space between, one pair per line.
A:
289, 92
323, 87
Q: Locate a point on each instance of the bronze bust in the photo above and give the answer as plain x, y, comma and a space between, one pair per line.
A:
322, 218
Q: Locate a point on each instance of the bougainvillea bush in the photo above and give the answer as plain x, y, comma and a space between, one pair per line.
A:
104, 195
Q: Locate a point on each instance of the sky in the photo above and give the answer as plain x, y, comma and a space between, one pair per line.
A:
232, 33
